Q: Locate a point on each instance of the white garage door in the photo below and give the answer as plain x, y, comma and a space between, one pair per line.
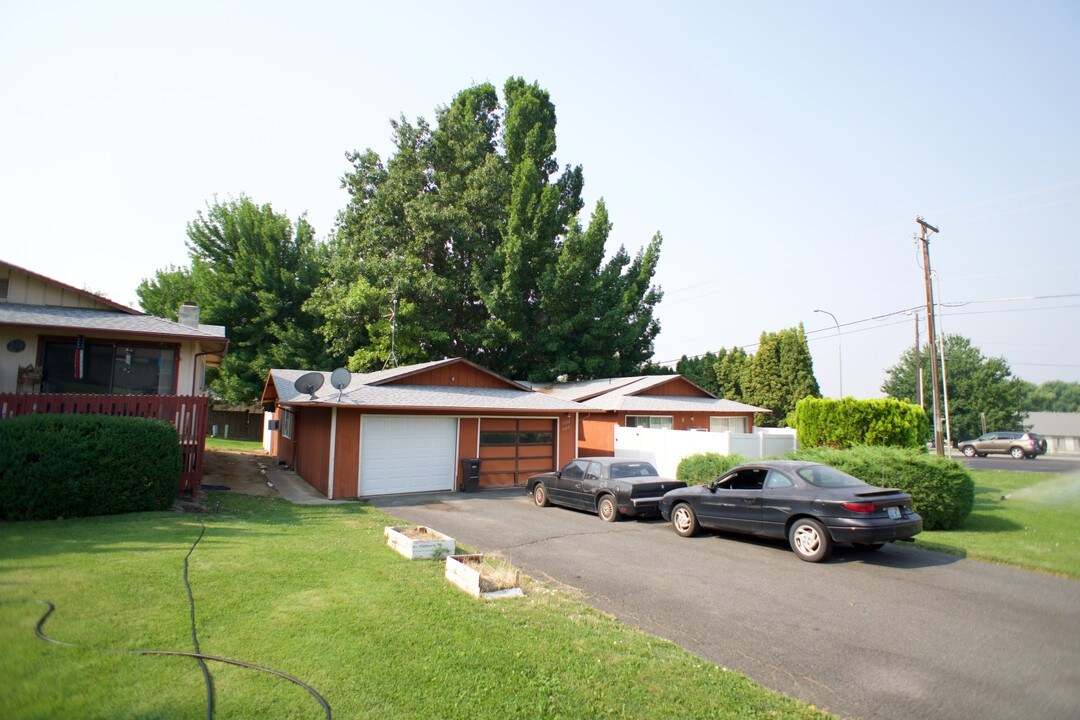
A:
402, 454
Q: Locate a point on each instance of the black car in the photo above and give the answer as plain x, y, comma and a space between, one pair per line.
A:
812, 505
1019, 445
611, 487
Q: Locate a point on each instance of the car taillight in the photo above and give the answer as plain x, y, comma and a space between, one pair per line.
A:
860, 507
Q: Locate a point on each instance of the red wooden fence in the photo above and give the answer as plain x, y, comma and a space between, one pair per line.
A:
186, 412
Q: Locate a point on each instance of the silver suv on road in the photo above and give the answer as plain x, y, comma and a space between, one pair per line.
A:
1018, 444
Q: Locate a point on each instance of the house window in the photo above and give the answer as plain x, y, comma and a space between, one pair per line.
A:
107, 368
286, 423
654, 422
727, 424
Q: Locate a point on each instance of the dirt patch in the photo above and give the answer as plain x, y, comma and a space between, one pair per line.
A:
419, 532
239, 471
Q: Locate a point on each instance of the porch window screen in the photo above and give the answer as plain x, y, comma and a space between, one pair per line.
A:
106, 368
727, 424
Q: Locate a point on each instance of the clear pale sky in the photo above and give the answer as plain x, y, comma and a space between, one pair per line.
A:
782, 148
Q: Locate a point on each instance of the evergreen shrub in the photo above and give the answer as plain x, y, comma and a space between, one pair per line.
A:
849, 423
942, 490
81, 465
705, 467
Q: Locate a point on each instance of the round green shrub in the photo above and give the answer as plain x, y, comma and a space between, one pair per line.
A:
941, 490
705, 467
81, 465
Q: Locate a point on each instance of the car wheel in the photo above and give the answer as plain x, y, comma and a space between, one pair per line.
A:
809, 540
969, 451
1017, 453
869, 546
684, 520
608, 509
540, 495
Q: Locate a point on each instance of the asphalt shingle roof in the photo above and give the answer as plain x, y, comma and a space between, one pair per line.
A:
360, 392
67, 318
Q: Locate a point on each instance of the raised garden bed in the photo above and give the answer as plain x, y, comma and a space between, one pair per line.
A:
483, 578
417, 542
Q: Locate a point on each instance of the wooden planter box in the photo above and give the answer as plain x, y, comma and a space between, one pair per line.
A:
419, 542
467, 572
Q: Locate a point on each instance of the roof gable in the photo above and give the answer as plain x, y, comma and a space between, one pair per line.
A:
27, 287
450, 372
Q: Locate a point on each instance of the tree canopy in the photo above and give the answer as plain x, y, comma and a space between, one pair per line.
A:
251, 270
1052, 396
776, 376
467, 241
976, 384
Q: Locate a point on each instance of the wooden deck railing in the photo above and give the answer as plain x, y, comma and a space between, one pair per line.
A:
186, 412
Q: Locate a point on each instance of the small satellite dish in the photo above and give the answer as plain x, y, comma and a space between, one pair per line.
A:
340, 379
309, 383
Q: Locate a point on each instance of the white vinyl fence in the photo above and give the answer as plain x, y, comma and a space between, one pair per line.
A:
666, 448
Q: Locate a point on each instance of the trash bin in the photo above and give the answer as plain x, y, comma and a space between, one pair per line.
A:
470, 474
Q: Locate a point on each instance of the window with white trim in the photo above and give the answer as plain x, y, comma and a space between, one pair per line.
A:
286, 423
727, 424
653, 422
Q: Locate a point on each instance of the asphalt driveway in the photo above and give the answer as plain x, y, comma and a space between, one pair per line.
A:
899, 633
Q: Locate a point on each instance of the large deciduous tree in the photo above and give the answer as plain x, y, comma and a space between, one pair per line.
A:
1051, 396
252, 270
976, 384
467, 242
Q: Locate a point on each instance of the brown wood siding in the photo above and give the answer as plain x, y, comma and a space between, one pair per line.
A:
311, 437
347, 453
676, 387
459, 375
597, 437
468, 437
282, 447
505, 465
567, 440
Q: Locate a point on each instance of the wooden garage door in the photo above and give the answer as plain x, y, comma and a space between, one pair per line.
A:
404, 454
514, 449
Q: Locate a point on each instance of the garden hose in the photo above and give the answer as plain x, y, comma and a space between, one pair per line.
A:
198, 654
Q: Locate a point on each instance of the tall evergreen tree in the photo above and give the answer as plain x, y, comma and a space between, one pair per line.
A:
780, 374
473, 231
701, 371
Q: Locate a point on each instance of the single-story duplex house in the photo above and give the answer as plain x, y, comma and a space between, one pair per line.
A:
63, 349
406, 429
1061, 430
666, 402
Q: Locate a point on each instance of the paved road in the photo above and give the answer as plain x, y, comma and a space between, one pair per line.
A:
1043, 463
900, 633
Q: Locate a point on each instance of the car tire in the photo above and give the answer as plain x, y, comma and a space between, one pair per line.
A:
969, 451
810, 540
684, 520
1018, 453
540, 495
608, 509
869, 546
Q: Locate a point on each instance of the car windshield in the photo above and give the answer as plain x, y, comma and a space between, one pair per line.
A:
631, 470
825, 476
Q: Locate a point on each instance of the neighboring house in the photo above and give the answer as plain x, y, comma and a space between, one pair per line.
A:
407, 429
1060, 429
68, 350
666, 402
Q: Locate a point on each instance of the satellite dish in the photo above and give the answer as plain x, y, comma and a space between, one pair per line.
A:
340, 379
309, 383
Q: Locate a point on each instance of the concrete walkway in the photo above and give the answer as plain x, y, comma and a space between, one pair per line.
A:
298, 492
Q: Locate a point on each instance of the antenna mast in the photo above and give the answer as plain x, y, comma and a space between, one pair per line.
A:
392, 360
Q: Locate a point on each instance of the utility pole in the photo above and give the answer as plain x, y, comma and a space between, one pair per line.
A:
918, 366
924, 237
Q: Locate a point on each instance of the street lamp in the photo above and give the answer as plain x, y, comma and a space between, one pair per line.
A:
839, 350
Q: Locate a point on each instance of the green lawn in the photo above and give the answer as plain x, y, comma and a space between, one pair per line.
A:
1037, 526
213, 443
314, 592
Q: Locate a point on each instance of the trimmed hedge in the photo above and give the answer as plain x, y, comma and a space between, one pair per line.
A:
941, 490
705, 467
79, 465
850, 423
